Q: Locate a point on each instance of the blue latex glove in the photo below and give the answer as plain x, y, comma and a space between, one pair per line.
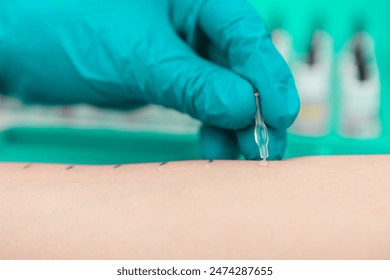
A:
199, 57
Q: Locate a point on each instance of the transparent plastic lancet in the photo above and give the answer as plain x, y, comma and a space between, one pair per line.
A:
261, 131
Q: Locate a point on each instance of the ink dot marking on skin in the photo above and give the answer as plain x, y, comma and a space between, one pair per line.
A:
70, 167
27, 166
209, 162
161, 165
117, 166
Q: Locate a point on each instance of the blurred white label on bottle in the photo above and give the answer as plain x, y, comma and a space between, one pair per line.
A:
283, 43
360, 89
313, 79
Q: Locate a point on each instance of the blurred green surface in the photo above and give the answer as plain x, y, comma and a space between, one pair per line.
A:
104, 146
94, 146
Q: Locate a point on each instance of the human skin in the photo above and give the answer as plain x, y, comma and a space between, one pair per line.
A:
304, 208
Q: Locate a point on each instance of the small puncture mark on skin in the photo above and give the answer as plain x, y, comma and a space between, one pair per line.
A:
70, 167
27, 166
117, 166
263, 163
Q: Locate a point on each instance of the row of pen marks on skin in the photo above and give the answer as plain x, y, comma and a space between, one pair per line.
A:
27, 166
70, 167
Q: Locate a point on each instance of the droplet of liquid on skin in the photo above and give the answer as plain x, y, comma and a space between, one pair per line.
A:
263, 163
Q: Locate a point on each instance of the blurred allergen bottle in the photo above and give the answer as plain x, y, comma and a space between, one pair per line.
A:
313, 81
360, 89
283, 43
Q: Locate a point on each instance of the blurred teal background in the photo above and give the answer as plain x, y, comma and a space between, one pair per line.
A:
64, 140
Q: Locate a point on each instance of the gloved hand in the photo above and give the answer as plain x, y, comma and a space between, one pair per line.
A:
200, 57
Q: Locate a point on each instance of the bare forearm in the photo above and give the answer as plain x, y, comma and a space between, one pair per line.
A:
330, 207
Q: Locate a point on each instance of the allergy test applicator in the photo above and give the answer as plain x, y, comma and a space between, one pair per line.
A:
261, 131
